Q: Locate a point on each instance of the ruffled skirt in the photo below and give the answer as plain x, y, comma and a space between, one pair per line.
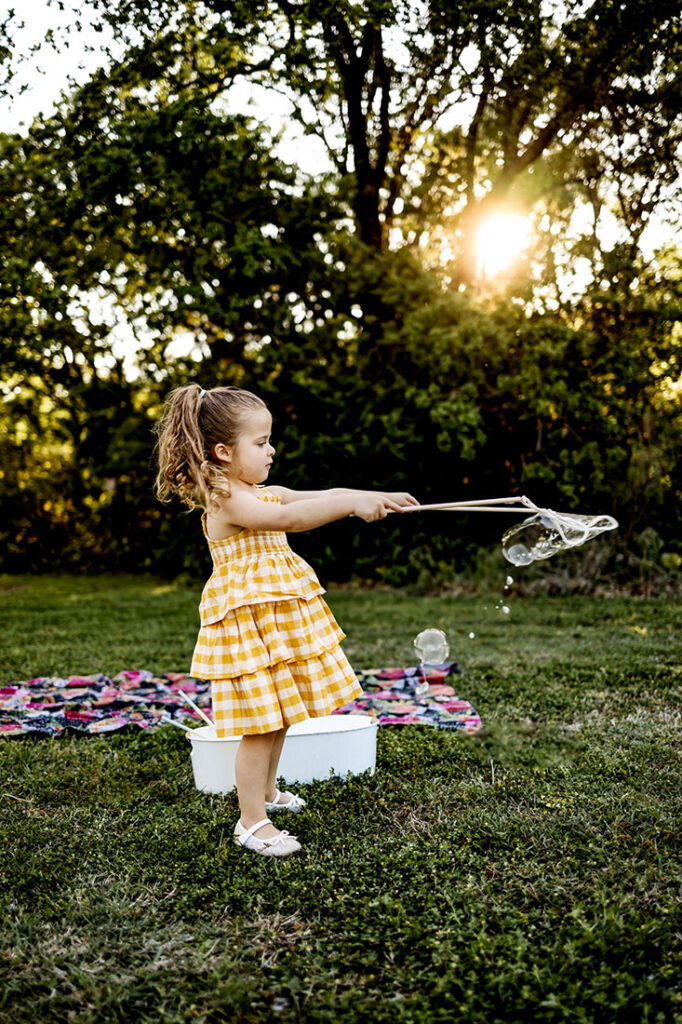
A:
274, 664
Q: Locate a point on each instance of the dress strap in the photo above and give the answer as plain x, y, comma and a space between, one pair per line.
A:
265, 495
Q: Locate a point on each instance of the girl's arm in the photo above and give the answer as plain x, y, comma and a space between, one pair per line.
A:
286, 495
243, 509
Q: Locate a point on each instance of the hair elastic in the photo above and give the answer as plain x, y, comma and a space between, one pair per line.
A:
202, 392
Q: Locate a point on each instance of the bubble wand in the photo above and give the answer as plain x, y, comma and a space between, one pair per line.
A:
168, 720
195, 707
520, 504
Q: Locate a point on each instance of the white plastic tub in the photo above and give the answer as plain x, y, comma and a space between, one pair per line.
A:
314, 749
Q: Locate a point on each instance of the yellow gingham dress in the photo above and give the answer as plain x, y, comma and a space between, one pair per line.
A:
268, 642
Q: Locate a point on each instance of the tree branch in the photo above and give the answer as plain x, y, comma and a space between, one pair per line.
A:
616, 41
384, 76
472, 136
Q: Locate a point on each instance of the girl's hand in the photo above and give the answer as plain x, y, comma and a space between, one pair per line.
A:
401, 498
371, 506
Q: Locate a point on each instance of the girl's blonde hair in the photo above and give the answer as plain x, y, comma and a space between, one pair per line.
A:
193, 422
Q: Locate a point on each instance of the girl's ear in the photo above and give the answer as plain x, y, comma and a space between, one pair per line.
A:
223, 453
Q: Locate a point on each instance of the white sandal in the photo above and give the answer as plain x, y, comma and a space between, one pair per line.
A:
295, 803
282, 845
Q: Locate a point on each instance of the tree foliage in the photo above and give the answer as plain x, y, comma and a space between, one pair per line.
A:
377, 83
154, 206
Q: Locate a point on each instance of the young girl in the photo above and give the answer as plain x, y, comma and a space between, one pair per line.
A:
267, 641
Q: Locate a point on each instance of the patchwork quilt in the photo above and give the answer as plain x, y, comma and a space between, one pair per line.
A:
96, 704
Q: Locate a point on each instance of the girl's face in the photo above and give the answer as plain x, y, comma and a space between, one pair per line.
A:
250, 459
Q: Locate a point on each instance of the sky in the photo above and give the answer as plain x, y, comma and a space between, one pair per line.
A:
46, 74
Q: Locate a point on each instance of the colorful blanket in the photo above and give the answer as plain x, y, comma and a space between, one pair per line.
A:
414, 696
98, 704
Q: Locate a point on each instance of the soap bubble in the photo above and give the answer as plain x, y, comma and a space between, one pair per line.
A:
505, 609
547, 532
471, 636
530, 540
509, 580
432, 647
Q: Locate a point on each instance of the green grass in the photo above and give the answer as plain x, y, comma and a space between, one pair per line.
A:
532, 873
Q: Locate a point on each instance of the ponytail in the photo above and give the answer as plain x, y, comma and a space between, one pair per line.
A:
192, 423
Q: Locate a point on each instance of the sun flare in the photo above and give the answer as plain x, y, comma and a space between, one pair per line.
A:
500, 240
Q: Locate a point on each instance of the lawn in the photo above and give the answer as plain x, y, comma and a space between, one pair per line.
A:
530, 873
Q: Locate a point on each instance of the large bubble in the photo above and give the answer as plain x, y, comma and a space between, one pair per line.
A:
547, 532
432, 647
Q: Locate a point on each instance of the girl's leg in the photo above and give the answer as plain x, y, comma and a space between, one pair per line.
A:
271, 784
252, 766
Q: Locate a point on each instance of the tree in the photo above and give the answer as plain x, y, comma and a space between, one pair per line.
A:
149, 196
377, 81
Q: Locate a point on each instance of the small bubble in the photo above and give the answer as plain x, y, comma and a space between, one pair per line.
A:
471, 636
505, 609
509, 580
